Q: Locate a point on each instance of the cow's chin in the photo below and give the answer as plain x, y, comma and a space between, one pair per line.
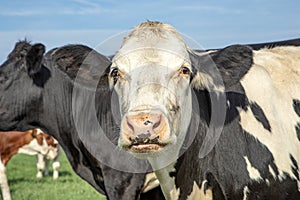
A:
145, 150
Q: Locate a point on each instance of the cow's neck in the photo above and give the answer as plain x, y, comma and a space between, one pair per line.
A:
167, 183
57, 104
163, 165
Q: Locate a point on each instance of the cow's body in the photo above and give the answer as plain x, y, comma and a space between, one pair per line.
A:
246, 143
32, 142
257, 154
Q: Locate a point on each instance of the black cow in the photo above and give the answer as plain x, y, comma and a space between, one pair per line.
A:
232, 114
38, 91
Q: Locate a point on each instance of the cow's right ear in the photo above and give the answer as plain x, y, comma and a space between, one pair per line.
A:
34, 58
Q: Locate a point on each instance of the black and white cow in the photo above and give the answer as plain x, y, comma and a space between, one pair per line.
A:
232, 114
36, 91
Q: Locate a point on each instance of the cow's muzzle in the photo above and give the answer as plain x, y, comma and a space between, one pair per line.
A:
144, 132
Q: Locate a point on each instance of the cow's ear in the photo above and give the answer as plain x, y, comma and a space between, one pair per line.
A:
34, 58
33, 132
205, 72
233, 63
221, 68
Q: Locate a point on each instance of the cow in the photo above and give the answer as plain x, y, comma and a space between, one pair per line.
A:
31, 142
220, 124
37, 91
43, 160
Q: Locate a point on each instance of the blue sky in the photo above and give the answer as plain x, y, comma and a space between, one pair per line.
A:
211, 23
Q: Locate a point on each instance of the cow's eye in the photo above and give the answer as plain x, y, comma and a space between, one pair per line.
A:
185, 71
115, 74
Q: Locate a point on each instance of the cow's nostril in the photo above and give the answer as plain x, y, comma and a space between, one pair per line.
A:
156, 124
130, 126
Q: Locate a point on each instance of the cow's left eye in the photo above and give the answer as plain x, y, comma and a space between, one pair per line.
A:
185, 71
115, 75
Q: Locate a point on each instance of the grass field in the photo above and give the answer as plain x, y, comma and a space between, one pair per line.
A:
21, 172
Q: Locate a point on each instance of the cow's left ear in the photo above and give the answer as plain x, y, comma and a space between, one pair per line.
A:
34, 58
220, 69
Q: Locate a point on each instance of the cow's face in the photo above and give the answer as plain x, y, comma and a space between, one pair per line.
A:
151, 75
19, 86
45, 144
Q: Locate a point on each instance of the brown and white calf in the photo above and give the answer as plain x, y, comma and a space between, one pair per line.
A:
13, 142
43, 159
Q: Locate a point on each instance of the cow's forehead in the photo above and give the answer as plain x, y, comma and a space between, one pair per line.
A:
152, 45
150, 57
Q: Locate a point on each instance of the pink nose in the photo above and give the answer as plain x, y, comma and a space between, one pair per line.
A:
144, 128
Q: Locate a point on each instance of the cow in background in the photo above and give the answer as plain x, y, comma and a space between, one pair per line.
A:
13, 142
36, 91
43, 160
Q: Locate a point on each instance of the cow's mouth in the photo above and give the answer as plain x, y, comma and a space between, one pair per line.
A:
146, 148
145, 144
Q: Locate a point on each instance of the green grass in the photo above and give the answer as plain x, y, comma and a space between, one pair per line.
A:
21, 173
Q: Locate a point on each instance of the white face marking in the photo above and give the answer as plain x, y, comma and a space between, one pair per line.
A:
278, 70
150, 64
149, 74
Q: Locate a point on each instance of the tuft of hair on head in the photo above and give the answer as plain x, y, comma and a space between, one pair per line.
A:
149, 24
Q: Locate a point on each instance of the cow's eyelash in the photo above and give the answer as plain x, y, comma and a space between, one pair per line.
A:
115, 74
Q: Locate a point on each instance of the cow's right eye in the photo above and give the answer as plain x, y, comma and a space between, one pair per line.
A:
115, 74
